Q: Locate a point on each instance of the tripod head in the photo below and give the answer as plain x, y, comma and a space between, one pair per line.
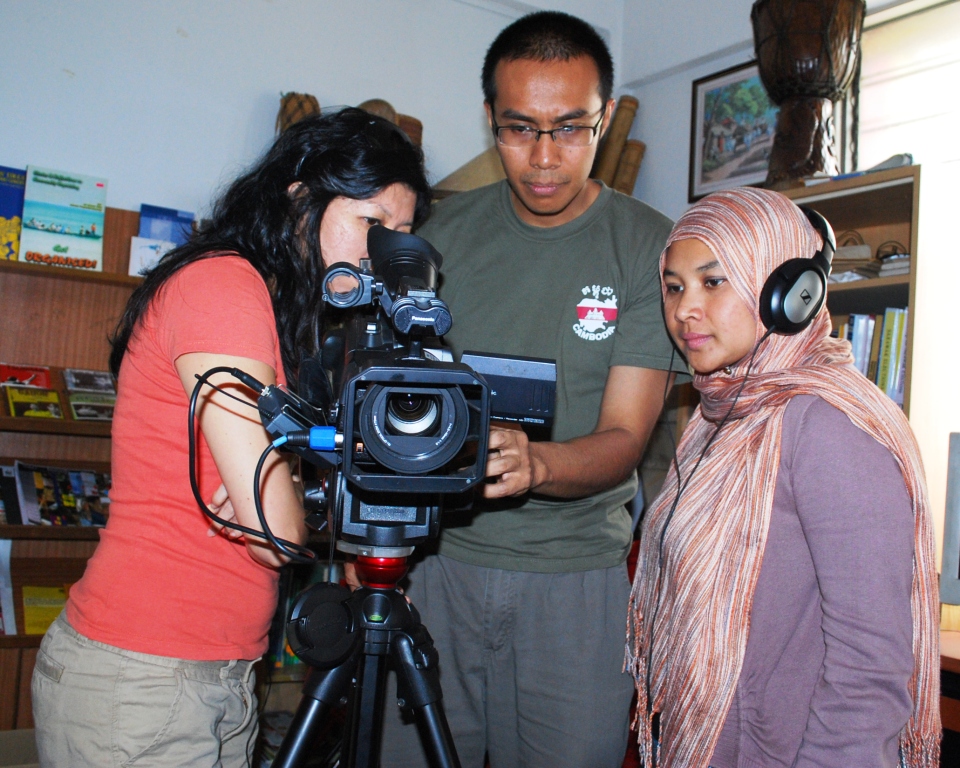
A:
350, 639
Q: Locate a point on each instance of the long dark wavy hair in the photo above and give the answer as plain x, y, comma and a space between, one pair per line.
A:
350, 153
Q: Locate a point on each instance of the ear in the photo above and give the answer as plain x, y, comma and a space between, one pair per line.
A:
607, 116
489, 110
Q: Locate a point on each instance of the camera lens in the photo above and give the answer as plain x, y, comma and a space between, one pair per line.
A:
410, 429
409, 413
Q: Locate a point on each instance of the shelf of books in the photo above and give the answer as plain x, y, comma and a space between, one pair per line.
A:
873, 283
68, 265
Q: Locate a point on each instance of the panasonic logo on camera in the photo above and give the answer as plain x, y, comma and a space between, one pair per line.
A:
422, 319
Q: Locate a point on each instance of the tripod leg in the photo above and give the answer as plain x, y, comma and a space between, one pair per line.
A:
418, 685
323, 690
364, 727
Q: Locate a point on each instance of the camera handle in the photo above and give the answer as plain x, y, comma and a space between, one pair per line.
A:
357, 634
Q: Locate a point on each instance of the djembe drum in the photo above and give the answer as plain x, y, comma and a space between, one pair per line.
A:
808, 51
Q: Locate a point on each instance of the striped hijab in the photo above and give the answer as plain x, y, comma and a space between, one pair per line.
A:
690, 609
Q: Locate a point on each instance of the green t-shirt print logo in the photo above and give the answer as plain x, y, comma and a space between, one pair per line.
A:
596, 313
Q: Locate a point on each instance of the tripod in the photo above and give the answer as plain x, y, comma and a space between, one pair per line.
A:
349, 639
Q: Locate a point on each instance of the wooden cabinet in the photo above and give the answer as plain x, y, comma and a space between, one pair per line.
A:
60, 318
881, 207
41, 557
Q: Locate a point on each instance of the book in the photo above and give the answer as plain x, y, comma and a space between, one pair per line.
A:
889, 383
893, 272
897, 264
874, 361
169, 224
12, 183
84, 380
6, 589
145, 252
8, 491
886, 348
92, 406
41, 606
33, 402
58, 496
26, 375
839, 324
901, 363
63, 217
861, 335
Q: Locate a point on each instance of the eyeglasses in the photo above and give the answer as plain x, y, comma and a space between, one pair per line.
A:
564, 136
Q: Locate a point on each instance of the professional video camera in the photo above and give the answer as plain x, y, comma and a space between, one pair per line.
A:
407, 425
396, 428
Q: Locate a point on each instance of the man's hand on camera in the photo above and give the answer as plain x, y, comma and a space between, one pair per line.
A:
222, 507
510, 464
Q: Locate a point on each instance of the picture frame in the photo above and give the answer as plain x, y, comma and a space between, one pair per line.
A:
950, 569
731, 130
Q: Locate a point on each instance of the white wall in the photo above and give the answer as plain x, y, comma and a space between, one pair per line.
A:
169, 99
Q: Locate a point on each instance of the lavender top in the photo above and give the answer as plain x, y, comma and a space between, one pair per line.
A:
829, 657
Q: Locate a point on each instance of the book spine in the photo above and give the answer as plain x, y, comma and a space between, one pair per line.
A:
886, 348
871, 323
6, 589
874, 363
8, 489
891, 381
898, 386
858, 341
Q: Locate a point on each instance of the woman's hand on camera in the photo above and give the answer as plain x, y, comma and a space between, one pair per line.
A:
222, 507
350, 573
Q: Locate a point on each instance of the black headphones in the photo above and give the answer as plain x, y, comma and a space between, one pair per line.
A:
795, 291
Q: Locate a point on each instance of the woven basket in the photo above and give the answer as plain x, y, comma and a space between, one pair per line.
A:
294, 107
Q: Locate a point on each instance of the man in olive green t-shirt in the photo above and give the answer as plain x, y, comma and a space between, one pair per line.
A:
527, 598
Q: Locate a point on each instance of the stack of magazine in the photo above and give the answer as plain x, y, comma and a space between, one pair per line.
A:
39, 495
92, 394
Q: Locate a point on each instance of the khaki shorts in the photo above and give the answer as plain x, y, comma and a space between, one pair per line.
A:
97, 705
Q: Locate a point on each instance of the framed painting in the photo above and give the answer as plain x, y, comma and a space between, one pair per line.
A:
731, 131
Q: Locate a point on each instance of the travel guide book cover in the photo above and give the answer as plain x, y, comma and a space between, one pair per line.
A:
12, 182
63, 219
169, 224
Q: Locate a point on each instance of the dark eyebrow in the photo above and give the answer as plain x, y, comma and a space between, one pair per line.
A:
704, 268
512, 114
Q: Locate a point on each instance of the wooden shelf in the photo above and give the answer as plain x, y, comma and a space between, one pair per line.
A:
61, 318
55, 426
871, 295
877, 209
874, 199
20, 641
65, 273
50, 532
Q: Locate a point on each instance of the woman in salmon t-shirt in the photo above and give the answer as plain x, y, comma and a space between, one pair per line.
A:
150, 663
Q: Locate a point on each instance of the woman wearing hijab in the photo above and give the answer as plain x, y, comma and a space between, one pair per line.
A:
785, 607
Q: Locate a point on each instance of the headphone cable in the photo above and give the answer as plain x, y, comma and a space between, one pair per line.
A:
681, 487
